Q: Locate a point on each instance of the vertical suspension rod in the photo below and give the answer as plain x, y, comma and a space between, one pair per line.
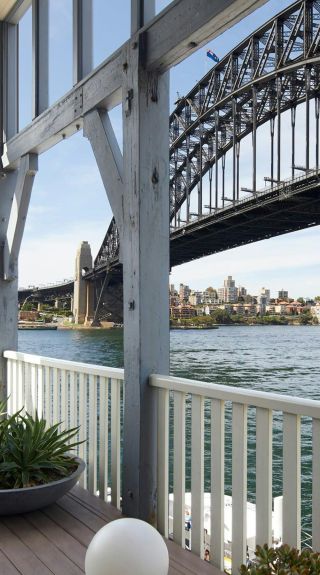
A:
238, 170
216, 120
293, 140
200, 174
316, 110
234, 153
307, 118
188, 181
279, 86
272, 151
254, 139
223, 177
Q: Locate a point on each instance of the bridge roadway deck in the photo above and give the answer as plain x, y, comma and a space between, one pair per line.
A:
53, 541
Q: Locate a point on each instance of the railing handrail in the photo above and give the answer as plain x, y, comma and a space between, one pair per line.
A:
100, 370
250, 397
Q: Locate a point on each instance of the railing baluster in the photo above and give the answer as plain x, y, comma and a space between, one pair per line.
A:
179, 472
73, 404
115, 443
92, 435
315, 484
40, 395
55, 395
10, 390
63, 399
33, 390
197, 474
163, 461
291, 480
239, 485
83, 424
27, 388
19, 385
48, 403
103, 438
217, 484
263, 476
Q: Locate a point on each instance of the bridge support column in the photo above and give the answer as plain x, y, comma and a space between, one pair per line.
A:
83, 263
15, 191
90, 303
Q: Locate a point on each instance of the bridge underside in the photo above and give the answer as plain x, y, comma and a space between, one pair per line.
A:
279, 211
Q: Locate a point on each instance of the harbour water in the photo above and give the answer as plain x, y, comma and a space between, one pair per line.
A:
279, 359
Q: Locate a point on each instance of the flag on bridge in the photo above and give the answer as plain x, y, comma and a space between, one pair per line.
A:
212, 55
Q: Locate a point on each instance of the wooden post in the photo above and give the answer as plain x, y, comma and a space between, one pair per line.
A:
15, 190
145, 253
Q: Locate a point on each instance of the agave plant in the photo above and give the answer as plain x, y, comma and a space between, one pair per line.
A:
283, 560
30, 453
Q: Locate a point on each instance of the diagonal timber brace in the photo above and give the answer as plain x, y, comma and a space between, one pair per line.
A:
98, 129
20, 185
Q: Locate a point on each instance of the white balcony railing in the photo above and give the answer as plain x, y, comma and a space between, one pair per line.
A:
189, 412
207, 403
90, 396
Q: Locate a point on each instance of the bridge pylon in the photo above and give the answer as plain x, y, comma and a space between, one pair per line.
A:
83, 304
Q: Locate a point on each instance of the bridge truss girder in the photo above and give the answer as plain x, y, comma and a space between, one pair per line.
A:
274, 70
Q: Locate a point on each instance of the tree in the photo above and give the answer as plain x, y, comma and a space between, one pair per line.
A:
301, 300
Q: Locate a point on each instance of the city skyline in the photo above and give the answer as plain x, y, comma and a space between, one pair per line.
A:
238, 285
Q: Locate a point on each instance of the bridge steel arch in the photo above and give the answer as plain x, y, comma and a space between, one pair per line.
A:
273, 70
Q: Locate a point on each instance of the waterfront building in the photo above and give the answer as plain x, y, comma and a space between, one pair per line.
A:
283, 294
182, 312
228, 293
184, 292
241, 291
195, 298
315, 311
264, 292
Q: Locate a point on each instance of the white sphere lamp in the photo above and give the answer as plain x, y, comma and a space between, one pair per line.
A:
127, 547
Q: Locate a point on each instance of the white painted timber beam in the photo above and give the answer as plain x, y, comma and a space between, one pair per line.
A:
145, 255
18, 213
82, 39
101, 89
171, 36
40, 56
186, 25
98, 129
18, 10
142, 11
10, 80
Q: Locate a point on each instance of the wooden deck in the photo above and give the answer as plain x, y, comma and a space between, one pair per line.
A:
53, 541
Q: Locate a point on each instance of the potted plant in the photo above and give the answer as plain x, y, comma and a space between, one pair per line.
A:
36, 467
283, 560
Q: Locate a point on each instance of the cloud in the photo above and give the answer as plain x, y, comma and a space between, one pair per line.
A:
290, 259
52, 258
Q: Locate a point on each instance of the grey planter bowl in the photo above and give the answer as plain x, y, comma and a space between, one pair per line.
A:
14, 501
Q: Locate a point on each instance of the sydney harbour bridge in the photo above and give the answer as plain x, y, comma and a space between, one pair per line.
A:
270, 76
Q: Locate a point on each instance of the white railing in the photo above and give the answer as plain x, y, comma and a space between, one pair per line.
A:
181, 396
90, 396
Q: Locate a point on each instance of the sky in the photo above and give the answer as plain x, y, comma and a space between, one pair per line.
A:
69, 203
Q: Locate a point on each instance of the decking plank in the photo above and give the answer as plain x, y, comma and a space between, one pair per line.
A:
95, 503
53, 541
6, 567
59, 537
20, 555
42, 548
75, 528
81, 513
